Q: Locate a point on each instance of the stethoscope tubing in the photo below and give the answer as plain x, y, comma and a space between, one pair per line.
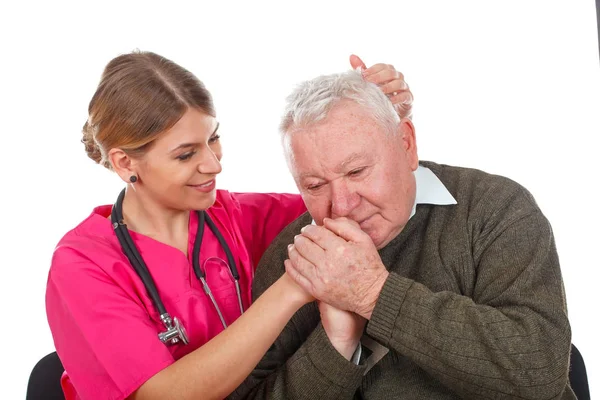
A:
133, 255
141, 268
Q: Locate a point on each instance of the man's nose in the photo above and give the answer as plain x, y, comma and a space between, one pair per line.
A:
343, 199
209, 162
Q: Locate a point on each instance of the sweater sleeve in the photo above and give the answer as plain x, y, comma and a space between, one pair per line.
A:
510, 339
302, 363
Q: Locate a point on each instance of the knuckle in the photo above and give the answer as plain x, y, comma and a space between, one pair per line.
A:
317, 234
299, 242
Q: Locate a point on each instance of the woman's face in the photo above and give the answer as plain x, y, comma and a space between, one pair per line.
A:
180, 168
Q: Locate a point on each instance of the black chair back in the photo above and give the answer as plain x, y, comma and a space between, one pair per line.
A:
44, 381
578, 375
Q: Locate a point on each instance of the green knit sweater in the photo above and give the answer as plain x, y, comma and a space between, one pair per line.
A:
474, 307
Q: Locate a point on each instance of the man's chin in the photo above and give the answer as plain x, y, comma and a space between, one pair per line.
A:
380, 239
375, 238
379, 244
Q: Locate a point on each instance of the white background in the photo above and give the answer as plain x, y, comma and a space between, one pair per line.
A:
509, 87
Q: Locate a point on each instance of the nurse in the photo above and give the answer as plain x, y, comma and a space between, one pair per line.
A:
153, 123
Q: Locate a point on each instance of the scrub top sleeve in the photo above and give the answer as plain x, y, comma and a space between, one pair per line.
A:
105, 339
264, 215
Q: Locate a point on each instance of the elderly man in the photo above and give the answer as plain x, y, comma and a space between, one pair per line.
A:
433, 282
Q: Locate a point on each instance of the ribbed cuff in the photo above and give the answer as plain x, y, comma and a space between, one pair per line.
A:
387, 308
330, 363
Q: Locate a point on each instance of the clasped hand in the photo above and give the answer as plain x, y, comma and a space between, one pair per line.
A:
338, 264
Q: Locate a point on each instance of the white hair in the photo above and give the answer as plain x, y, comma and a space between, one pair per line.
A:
312, 101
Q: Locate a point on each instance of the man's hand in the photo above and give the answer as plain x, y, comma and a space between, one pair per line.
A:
338, 264
343, 328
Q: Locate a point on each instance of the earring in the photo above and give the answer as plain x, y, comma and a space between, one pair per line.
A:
133, 179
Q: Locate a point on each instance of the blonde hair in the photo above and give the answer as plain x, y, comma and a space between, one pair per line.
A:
140, 96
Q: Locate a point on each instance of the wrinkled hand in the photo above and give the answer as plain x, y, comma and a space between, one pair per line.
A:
343, 328
338, 264
391, 83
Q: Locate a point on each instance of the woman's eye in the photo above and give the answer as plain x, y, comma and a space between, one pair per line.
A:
186, 156
214, 138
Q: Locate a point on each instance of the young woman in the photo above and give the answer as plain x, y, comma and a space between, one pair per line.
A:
139, 294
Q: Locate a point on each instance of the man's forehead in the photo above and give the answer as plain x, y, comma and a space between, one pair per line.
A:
343, 116
345, 138
354, 157
334, 135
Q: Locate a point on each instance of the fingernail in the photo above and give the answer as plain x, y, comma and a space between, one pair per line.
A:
290, 247
303, 229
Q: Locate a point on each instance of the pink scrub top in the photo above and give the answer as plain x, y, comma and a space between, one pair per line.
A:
104, 324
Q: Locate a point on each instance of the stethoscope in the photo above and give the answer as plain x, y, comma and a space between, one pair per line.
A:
174, 329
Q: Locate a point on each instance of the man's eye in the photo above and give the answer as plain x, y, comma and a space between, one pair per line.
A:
356, 172
314, 187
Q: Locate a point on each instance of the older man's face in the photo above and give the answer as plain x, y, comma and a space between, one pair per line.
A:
347, 166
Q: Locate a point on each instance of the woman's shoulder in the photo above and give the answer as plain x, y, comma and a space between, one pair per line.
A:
91, 237
276, 209
94, 227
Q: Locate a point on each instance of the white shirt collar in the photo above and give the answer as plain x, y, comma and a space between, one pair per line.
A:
430, 190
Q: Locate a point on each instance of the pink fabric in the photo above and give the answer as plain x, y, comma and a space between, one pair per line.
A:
103, 322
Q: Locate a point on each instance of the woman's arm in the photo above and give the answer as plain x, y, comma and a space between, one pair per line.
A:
219, 366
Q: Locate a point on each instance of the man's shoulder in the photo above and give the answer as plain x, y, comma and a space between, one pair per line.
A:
450, 174
271, 267
473, 186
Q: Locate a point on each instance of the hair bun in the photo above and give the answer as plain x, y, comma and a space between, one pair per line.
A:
91, 148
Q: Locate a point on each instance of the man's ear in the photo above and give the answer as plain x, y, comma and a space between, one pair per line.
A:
406, 130
122, 164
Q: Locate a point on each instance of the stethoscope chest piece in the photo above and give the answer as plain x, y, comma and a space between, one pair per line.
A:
175, 331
